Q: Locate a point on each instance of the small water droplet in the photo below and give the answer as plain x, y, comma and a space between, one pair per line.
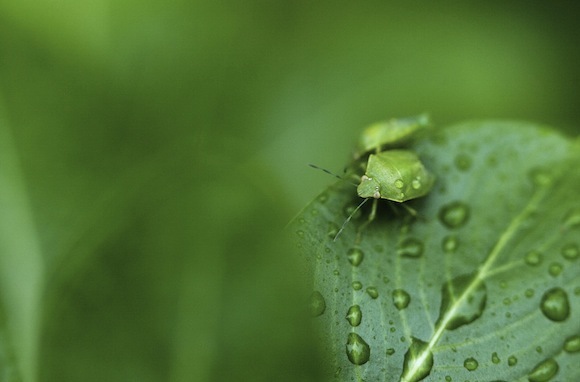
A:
533, 258
462, 162
572, 218
354, 315
507, 301
390, 351
317, 304
418, 361
386, 280
572, 344
539, 349
529, 293
448, 378
544, 371
555, 269
570, 251
336, 272
401, 299
357, 285
458, 309
555, 305
512, 360
410, 247
540, 177
373, 292
470, 364
454, 214
495, 358
314, 212
450, 243
300, 233
399, 184
357, 350
416, 184
322, 198
355, 256
392, 329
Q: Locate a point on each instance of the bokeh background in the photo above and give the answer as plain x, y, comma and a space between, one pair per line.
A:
151, 154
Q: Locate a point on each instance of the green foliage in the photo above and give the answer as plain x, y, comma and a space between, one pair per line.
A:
483, 285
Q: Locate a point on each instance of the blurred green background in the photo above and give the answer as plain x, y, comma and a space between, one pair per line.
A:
151, 154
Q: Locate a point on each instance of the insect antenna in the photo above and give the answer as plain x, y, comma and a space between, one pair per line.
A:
331, 173
349, 217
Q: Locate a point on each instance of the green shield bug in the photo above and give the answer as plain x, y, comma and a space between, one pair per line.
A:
390, 172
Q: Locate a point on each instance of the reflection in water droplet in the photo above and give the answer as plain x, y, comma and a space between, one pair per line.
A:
373, 292
458, 309
317, 304
450, 243
572, 218
533, 258
390, 351
399, 183
462, 162
357, 285
357, 350
470, 364
401, 299
410, 247
495, 358
418, 361
555, 269
354, 315
572, 344
555, 305
544, 371
540, 177
355, 256
570, 251
512, 360
454, 215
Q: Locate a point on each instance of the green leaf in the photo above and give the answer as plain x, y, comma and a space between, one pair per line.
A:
484, 285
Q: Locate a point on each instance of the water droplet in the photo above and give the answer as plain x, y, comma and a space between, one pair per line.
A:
539, 349
301, 221
470, 364
529, 293
357, 350
555, 269
332, 230
570, 251
357, 285
300, 233
572, 344
373, 292
544, 371
410, 247
540, 177
454, 214
418, 361
337, 372
495, 358
390, 351
354, 315
355, 256
450, 243
507, 301
336, 272
416, 184
401, 299
533, 258
322, 198
317, 304
457, 308
512, 360
555, 305
572, 218
314, 212
386, 280
448, 378
462, 162
399, 184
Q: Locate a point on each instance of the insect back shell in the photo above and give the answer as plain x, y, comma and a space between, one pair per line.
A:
392, 133
397, 175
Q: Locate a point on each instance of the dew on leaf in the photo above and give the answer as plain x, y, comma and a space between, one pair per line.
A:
454, 214
512, 360
401, 299
540, 177
390, 351
462, 162
418, 361
495, 358
336, 272
357, 350
463, 301
533, 258
555, 269
507, 301
332, 230
373, 292
570, 251
386, 280
317, 304
357, 285
410, 247
300, 233
572, 344
416, 183
555, 305
354, 315
448, 378
544, 371
572, 218
529, 293
399, 183
322, 198
355, 256
470, 364
450, 243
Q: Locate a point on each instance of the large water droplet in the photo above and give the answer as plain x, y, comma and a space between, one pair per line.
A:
463, 301
355, 256
454, 214
533, 258
470, 364
317, 304
401, 299
570, 251
572, 218
495, 358
357, 285
450, 243
418, 361
512, 360
354, 315
410, 247
555, 305
544, 371
572, 344
357, 350
373, 292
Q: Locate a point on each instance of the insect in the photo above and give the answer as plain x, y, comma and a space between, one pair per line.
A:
390, 172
